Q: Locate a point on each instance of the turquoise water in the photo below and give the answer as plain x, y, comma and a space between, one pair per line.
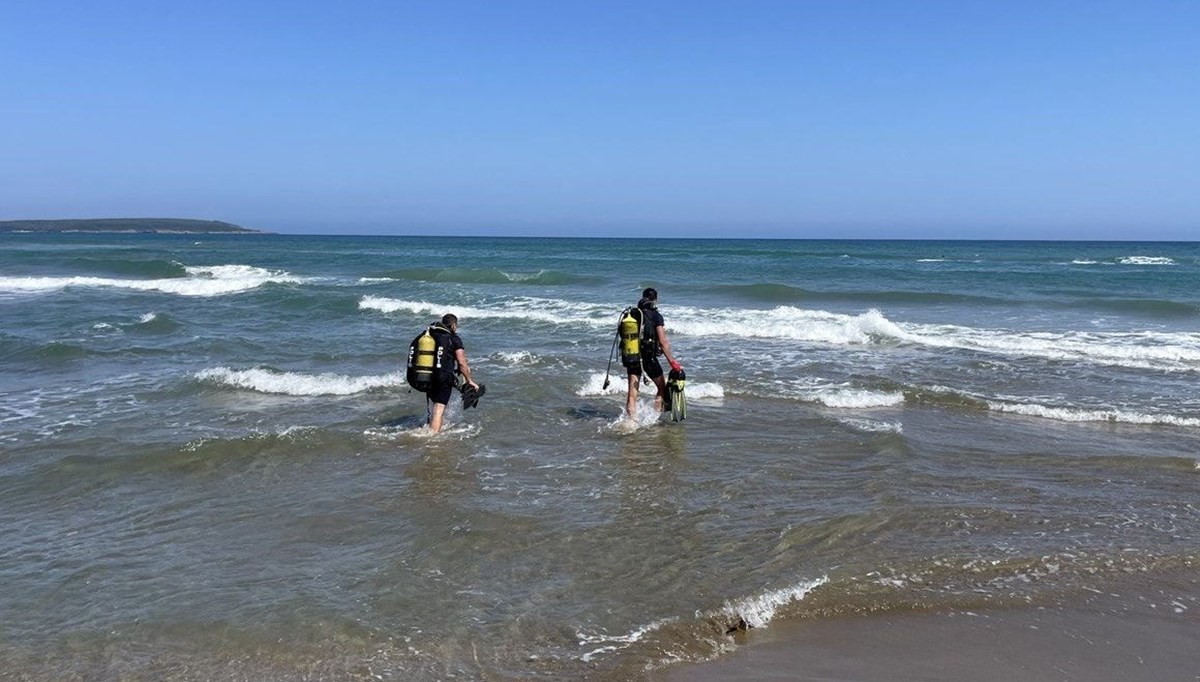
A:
210, 465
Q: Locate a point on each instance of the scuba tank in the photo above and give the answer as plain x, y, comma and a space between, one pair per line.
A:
676, 381
421, 355
630, 330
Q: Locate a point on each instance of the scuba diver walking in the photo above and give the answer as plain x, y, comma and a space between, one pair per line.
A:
643, 337
435, 359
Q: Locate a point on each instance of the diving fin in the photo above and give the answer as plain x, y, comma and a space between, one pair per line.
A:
676, 381
471, 396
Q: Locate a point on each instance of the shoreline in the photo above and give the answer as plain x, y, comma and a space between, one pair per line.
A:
1132, 632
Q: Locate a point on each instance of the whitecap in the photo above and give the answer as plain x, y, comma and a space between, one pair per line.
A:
1146, 260
200, 281
1170, 351
1076, 414
852, 398
297, 384
521, 308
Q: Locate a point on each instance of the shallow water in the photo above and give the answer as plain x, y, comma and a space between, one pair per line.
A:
210, 465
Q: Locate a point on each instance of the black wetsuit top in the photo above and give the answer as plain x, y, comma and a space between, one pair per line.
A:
651, 321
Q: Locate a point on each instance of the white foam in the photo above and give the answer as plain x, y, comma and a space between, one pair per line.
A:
551, 311
618, 384
1083, 261
873, 426
291, 383
704, 390
522, 357
1174, 351
200, 281
931, 260
852, 398
147, 318
786, 322
644, 415
522, 276
450, 431
616, 642
1073, 414
1146, 260
758, 611
594, 385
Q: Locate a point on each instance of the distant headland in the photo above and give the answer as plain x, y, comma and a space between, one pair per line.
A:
155, 225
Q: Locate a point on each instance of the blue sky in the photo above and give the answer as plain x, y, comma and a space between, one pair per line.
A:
839, 118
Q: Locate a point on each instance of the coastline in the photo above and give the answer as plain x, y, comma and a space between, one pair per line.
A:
1137, 631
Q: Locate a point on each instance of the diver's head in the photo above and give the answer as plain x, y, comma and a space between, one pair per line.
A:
649, 299
450, 321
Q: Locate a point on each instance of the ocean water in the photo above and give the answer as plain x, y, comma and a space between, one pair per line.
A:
211, 468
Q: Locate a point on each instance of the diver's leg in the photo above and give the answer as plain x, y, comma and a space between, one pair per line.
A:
662, 391
435, 417
631, 399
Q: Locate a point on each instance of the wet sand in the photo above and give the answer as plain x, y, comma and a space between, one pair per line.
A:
1139, 634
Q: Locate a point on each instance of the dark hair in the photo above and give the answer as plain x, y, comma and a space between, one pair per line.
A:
449, 319
650, 293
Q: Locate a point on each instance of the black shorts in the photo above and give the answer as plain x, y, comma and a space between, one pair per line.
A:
440, 393
653, 369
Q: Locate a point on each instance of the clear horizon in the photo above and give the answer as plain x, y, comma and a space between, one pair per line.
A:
766, 119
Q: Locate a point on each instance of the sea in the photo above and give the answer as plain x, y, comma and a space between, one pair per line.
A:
211, 466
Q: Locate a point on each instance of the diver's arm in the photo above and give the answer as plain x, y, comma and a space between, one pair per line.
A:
665, 345
464, 369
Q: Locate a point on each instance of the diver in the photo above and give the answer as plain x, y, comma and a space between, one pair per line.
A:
435, 359
652, 342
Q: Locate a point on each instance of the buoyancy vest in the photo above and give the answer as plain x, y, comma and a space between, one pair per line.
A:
650, 347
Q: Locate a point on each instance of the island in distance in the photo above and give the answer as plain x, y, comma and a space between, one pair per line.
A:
156, 225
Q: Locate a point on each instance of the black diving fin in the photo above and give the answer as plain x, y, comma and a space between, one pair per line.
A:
471, 396
676, 381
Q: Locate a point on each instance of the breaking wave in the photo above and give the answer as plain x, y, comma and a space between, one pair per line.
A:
1075, 414
521, 308
741, 614
297, 384
1146, 260
942, 395
852, 398
1166, 351
212, 280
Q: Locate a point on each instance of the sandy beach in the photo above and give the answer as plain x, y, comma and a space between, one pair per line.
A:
1138, 632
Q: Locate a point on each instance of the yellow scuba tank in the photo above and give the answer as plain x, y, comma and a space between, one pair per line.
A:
421, 356
630, 331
